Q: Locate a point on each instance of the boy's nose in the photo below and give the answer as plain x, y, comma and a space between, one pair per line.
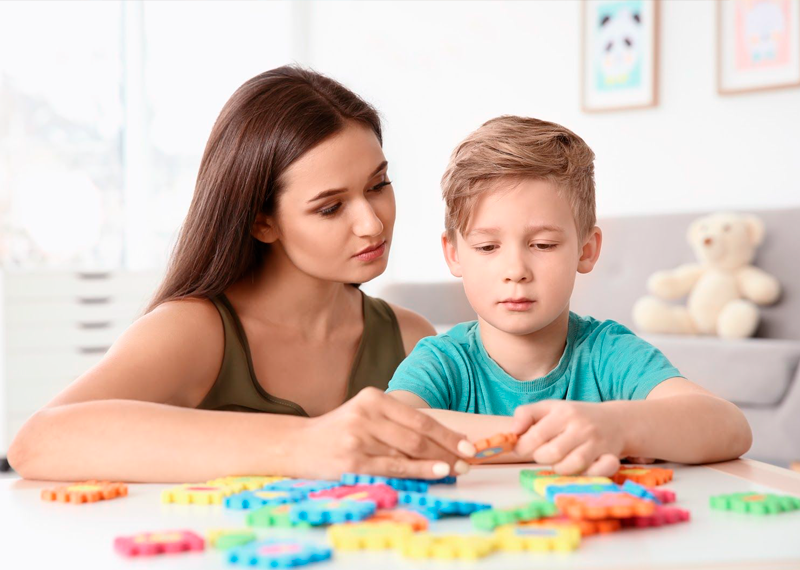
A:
517, 271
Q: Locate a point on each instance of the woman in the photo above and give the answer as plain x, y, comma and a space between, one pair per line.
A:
258, 313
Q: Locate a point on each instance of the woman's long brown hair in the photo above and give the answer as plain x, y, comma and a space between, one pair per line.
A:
266, 125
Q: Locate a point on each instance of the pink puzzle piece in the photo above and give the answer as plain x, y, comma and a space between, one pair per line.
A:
661, 516
664, 495
382, 495
152, 543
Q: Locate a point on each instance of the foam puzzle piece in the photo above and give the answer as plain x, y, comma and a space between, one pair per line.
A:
541, 484
249, 483
424, 545
640, 491
606, 506
597, 489
398, 484
660, 517
225, 538
586, 527
153, 543
511, 538
278, 553
493, 446
650, 476
86, 492
664, 496
755, 503
276, 516
368, 536
301, 485
528, 476
198, 494
383, 496
322, 511
260, 498
436, 507
416, 521
489, 519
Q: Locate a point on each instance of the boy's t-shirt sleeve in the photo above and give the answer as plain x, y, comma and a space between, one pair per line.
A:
429, 372
629, 367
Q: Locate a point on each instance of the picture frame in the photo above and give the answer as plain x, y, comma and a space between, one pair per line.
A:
758, 45
619, 54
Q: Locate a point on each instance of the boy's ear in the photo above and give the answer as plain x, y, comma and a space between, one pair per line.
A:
264, 229
451, 255
590, 252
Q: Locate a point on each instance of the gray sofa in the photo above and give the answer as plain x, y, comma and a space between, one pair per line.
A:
761, 375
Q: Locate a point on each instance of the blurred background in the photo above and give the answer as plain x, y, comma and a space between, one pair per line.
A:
105, 108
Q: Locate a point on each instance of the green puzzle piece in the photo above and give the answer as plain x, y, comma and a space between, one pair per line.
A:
491, 518
755, 503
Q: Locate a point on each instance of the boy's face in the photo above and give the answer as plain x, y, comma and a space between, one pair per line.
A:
519, 255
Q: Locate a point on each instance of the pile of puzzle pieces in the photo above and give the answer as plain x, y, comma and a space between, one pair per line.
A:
376, 513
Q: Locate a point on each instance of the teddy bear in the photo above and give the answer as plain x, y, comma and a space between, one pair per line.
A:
723, 290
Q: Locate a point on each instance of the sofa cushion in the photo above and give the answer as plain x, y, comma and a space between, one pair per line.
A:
751, 372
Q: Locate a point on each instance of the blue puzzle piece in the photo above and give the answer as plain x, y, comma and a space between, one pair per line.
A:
263, 498
429, 505
305, 486
278, 553
640, 491
326, 511
416, 485
554, 490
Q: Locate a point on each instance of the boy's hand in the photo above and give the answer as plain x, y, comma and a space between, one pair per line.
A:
574, 437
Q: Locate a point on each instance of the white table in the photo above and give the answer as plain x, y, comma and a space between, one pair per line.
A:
38, 534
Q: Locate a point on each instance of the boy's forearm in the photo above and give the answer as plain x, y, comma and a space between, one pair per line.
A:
686, 428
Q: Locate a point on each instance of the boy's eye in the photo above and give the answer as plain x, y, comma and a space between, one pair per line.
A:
330, 210
544, 246
485, 248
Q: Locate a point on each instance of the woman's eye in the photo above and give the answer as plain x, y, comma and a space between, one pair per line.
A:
544, 246
330, 210
378, 187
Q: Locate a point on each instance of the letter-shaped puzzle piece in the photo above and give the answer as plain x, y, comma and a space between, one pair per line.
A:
541, 484
321, 511
490, 518
256, 499
606, 506
225, 538
86, 492
198, 494
587, 528
554, 490
650, 476
301, 485
383, 496
398, 484
755, 503
661, 516
368, 536
496, 445
152, 543
447, 547
437, 507
415, 521
278, 553
249, 483
277, 516
512, 538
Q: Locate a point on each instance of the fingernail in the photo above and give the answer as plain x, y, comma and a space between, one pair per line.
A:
466, 448
441, 469
461, 467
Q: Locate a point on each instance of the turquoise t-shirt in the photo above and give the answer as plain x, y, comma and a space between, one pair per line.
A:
603, 360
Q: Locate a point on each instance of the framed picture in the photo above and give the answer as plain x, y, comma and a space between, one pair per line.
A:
758, 45
619, 54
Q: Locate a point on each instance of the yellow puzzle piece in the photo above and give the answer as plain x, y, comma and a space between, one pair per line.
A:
511, 538
448, 546
369, 536
199, 493
251, 483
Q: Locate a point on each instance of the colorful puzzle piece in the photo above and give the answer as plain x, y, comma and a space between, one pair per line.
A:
586, 527
199, 494
447, 547
755, 503
86, 492
493, 446
278, 553
228, 538
664, 496
554, 490
277, 516
640, 491
490, 518
512, 538
320, 511
415, 521
416, 485
606, 506
436, 507
256, 499
303, 485
650, 476
541, 484
661, 516
368, 536
152, 543
383, 496
528, 476
249, 483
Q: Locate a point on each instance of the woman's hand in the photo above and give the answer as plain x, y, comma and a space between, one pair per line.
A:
574, 437
375, 434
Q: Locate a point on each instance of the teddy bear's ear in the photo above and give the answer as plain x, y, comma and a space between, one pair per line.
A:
755, 229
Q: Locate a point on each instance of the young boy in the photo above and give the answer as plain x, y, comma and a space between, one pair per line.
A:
520, 223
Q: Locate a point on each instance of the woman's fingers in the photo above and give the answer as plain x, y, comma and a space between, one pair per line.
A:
401, 467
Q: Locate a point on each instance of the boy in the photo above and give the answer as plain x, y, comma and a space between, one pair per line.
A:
520, 223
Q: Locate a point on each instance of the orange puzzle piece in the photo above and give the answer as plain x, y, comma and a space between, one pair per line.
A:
587, 527
647, 476
416, 521
492, 446
86, 492
604, 506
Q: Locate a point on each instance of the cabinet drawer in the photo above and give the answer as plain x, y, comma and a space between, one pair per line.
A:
24, 398
88, 337
60, 365
71, 286
52, 312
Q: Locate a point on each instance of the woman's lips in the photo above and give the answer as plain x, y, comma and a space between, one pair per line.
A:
372, 254
517, 304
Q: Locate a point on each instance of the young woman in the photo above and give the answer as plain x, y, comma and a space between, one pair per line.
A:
259, 313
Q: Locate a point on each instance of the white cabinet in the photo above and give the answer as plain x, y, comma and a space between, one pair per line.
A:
54, 326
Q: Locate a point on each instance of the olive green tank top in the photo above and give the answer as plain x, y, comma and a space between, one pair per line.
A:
237, 389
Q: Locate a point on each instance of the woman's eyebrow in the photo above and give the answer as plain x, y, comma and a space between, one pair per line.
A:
335, 191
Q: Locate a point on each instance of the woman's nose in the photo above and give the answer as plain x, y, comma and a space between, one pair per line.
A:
367, 222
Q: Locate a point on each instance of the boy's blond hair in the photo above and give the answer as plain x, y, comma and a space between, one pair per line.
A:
519, 147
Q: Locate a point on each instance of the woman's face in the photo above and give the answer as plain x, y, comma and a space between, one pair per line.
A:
335, 215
